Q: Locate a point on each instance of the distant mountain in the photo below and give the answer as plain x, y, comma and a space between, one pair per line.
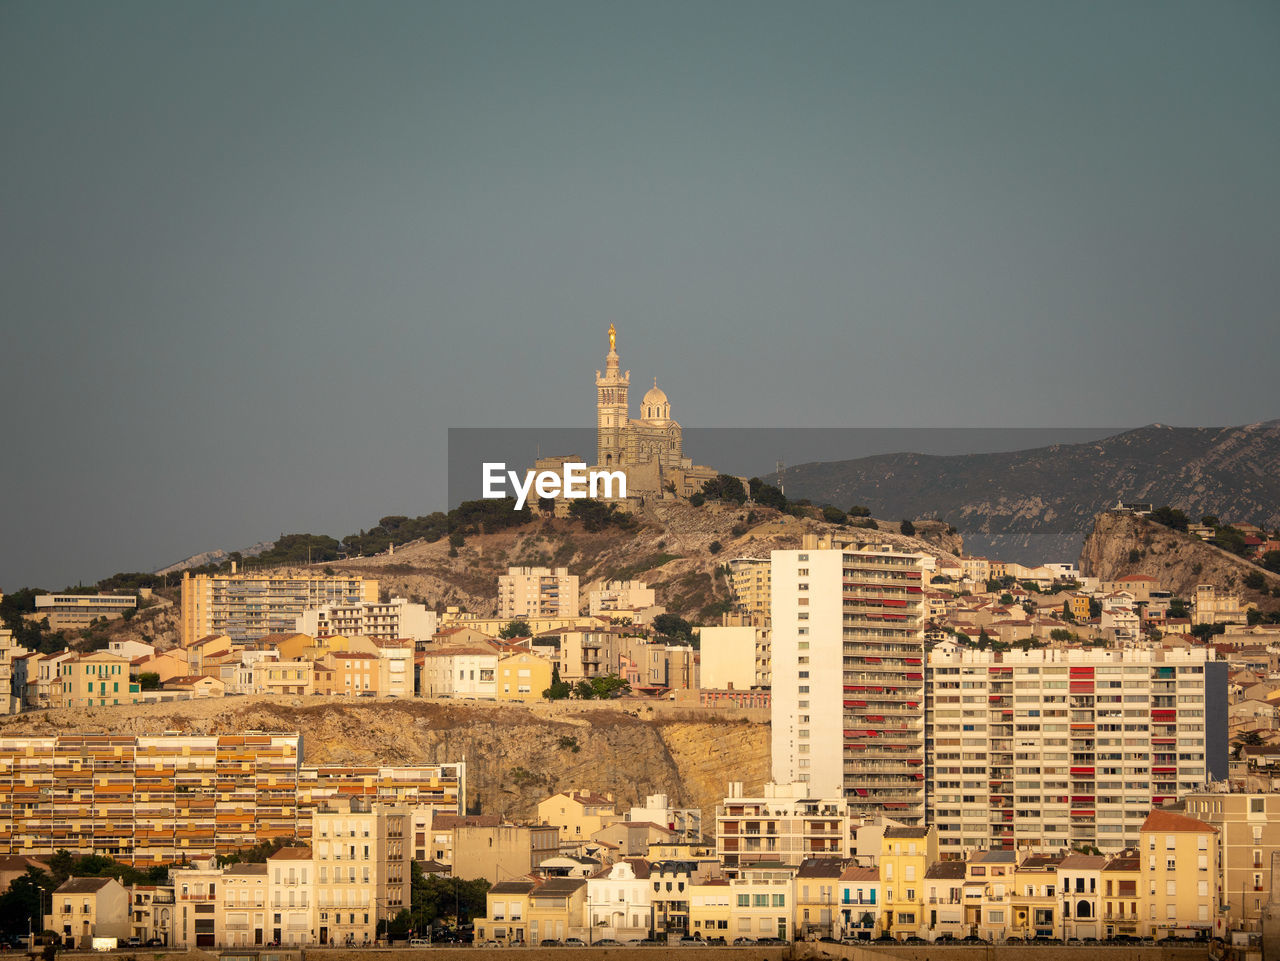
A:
214, 557
1037, 505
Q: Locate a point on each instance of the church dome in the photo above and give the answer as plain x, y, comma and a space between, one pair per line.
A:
655, 408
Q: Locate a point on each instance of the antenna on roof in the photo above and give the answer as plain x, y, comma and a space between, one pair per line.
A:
781, 485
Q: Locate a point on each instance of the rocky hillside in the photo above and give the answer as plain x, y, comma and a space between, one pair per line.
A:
673, 548
515, 755
1120, 544
1037, 505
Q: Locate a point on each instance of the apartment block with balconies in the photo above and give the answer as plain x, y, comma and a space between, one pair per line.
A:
848, 675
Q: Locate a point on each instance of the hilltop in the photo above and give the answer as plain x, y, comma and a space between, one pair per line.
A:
1037, 505
678, 549
515, 755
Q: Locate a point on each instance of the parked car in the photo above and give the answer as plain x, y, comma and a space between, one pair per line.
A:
419, 943
743, 942
155, 942
574, 943
549, 943
606, 943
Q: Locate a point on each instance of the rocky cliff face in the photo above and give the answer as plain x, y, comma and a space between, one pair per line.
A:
1179, 561
515, 755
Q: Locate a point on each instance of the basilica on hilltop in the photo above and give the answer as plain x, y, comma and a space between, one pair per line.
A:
649, 449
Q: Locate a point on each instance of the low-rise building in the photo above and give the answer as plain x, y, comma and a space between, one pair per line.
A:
86, 908
762, 900
1179, 861
860, 902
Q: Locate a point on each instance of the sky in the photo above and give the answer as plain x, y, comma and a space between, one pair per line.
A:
257, 259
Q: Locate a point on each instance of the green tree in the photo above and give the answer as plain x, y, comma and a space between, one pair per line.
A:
833, 515
1209, 520
1205, 631
1255, 580
559, 690
715, 547
1230, 539
673, 626
907, 528
857, 510
1169, 517
149, 681
1271, 561
609, 687
516, 628
725, 488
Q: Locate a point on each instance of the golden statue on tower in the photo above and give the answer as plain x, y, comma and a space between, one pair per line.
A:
613, 338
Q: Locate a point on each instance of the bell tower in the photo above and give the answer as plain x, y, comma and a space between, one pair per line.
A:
612, 410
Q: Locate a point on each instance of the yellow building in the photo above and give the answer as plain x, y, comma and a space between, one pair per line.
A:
557, 910
762, 901
99, 678
523, 677
1079, 605
1035, 903
290, 647
1122, 895
710, 909
284, 678
507, 918
905, 856
1179, 858
577, 814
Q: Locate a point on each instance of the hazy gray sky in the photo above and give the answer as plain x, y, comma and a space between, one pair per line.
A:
255, 258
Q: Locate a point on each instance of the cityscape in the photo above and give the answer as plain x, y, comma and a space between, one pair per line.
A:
549, 478
961, 748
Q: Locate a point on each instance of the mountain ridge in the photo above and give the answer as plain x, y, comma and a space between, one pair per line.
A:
1037, 504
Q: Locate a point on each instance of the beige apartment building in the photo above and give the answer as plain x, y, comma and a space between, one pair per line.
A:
1248, 832
536, 592
248, 606
502, 851
241, 918
361, 856
751, 581
786, 824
